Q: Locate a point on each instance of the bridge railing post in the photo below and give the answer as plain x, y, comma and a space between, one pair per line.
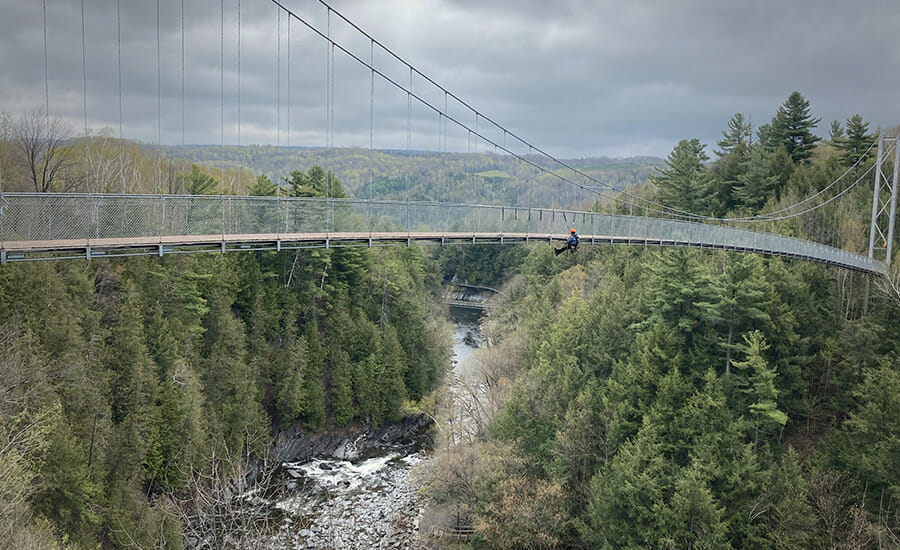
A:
161, 221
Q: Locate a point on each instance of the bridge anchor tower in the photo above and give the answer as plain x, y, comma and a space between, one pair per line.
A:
884, 207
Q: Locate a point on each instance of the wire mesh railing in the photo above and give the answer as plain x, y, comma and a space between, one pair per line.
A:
58, 220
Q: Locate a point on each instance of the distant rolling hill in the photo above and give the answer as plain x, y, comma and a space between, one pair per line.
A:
423, 175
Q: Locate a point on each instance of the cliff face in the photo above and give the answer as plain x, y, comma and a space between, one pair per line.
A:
348, 442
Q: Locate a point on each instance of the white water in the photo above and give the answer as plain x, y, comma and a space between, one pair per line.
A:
336, 503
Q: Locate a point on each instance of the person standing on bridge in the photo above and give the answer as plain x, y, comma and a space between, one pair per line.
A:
571, 243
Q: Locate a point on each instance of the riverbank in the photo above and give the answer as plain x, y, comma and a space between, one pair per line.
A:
355, 487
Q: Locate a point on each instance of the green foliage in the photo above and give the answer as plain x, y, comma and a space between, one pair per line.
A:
756, 184
624, 497
836, 132
130, 371
681, 284
264, 187
418, 175
737, 136
480, 264
198, 182
684, 183
742, 301
315, 182
760, 385
872, 428
856, 147
693, 518
628, 402
790, 128
726, 171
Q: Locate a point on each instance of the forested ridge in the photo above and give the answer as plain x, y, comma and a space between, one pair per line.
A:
677, 398
639, 398
44, 155
124, 383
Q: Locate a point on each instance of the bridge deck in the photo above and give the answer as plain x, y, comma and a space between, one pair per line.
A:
37, 226
159, 245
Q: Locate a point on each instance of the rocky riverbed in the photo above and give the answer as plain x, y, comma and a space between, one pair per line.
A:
355, 488
339, 504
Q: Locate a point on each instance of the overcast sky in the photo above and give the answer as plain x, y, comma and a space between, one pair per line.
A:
575, 78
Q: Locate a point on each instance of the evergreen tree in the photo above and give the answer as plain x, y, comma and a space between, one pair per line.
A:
868, 443
680, 283
791, 518
263, 187
726, 171
836, 132
314, 411
756, 185
693, 518
760, 385
66, 494
633, 384
288, 371
742, 298
392, 390
782, 167
739, 134
315, 182
365, 388
625, 497
341, 387
857, 146
198, 182
790, 128
229, 383
684, 183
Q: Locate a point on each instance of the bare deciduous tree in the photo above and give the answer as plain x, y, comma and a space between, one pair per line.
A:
227, 505
890, 283
39, 142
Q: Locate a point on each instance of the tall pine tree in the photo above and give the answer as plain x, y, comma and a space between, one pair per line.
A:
791, 128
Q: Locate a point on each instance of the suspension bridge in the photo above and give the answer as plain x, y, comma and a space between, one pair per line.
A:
37, 226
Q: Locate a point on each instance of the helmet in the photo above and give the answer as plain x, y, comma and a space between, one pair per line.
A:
572, 230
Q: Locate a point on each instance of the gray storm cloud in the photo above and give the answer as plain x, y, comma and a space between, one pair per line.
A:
577, 77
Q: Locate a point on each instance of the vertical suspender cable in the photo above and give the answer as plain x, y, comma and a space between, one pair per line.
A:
331, 94
329, 50
222, 89
444, 149
240, 168
329, 176
119, 75
183, 172
158, 109
277, 75
289, 81
371, 118
84, 98
327, 65
475, 159
408, 145
46, 79
409, 133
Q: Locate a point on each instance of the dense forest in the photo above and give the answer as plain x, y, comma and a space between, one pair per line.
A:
637, 398
483, 178
688, 399
125, 385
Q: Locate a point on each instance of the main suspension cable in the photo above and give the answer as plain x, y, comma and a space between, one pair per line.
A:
645, 204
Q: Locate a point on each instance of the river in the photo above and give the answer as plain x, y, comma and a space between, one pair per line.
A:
370, 502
